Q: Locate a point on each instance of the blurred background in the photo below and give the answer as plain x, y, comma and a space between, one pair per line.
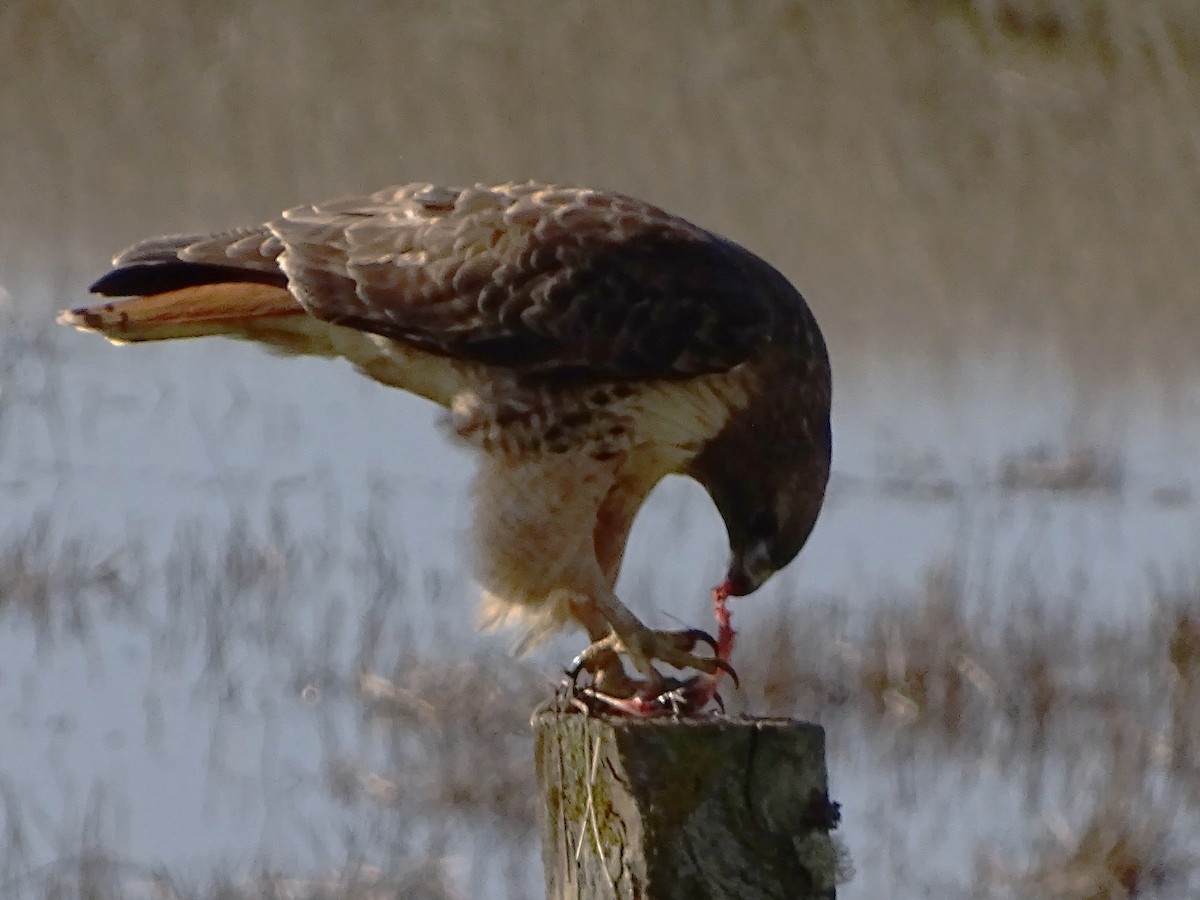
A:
237, 648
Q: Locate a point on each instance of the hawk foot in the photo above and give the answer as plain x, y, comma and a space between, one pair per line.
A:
614, 692
645, 647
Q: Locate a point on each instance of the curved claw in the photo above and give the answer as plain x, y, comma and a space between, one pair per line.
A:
576, 666
725, 667
587, 659
694, 636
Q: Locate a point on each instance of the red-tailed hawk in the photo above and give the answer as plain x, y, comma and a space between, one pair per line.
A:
586, 343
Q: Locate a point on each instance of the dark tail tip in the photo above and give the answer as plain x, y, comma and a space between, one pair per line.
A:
144, 279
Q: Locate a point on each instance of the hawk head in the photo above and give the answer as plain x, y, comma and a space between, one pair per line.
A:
767, 520
766, 472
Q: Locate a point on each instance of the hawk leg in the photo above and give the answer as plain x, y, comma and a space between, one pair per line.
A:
614, 691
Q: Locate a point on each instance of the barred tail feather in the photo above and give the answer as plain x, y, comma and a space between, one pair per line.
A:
234, 309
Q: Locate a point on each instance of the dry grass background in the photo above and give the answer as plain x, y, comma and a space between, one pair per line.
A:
1079, 714
939, 176
917, 166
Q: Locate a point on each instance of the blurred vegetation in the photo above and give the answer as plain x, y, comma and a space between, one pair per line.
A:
941, 177
1098, 720
919, 167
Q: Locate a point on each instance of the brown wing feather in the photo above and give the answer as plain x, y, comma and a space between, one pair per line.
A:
535, 278
540, 279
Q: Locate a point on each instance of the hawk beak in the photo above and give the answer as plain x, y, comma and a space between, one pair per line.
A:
750, 569
738, 583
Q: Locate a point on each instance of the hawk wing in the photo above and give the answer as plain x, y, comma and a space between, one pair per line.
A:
543, 280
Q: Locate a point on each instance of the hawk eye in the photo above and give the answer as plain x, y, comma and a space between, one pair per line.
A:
762, 525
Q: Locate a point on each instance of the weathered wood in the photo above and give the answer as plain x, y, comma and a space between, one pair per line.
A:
684, 810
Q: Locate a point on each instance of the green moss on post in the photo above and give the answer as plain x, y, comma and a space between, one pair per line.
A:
684, 810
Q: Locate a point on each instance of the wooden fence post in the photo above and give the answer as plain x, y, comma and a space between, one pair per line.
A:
684, 810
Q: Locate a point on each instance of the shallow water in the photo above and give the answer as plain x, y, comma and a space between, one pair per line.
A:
204, 715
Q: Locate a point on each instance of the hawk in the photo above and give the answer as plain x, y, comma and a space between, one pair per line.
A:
585, 343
